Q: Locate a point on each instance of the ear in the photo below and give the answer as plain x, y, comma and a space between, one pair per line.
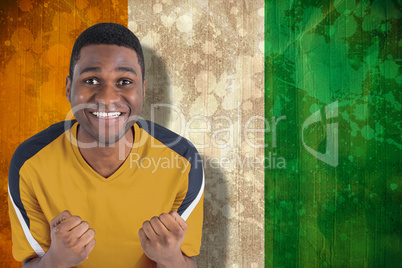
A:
68, 88
143, 88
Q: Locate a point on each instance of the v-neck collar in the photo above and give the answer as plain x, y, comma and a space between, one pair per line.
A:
89, 169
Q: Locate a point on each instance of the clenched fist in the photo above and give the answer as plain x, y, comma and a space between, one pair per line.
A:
71, 240
161, 239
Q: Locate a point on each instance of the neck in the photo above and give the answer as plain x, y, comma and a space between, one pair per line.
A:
106, 159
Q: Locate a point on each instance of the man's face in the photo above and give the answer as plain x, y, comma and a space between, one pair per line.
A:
106, 93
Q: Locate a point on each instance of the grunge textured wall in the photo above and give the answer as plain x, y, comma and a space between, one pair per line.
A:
205, 61
330, 112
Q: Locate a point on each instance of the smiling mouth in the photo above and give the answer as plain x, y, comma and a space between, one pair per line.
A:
104, 115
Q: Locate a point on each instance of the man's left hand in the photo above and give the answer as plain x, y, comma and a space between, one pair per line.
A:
161, 239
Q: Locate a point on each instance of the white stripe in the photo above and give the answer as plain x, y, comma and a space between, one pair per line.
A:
34, 244
191, 207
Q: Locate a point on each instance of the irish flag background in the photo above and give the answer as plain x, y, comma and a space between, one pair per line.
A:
294, 106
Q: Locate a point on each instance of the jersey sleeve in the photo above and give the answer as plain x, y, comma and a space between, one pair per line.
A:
29, 226
191, 209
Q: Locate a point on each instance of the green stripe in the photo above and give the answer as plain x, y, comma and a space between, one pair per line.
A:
328, 209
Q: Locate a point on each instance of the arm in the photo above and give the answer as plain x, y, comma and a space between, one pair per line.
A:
188, 262
40, 262
161, 239
71, 242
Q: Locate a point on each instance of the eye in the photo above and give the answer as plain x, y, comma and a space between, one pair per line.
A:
91, 81
124, 82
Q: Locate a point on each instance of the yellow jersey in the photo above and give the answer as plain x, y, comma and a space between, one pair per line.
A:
48, 175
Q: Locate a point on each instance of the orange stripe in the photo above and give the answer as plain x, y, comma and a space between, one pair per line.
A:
36, 39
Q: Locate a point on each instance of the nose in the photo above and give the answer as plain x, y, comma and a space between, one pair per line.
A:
107, 95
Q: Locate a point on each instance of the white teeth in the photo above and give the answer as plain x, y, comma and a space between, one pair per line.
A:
106, 115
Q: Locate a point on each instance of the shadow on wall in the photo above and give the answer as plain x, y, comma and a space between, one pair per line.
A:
215, 236
158, 89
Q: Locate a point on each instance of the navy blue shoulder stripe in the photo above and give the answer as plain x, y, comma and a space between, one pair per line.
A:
25, 151
186, 149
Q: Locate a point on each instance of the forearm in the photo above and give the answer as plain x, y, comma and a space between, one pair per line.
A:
33, 263
185, 262
47, 261
41, 262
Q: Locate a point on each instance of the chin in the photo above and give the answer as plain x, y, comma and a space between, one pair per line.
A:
109, 141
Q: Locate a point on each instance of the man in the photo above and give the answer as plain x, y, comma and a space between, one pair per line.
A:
107, 189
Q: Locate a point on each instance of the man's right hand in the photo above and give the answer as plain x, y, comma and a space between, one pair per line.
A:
71, 240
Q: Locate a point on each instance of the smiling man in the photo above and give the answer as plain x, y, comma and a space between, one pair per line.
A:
76, 199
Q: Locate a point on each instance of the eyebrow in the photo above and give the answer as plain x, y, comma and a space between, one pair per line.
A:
90, 69
125, 70
117, 69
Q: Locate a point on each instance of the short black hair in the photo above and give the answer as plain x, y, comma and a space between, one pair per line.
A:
107, 34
